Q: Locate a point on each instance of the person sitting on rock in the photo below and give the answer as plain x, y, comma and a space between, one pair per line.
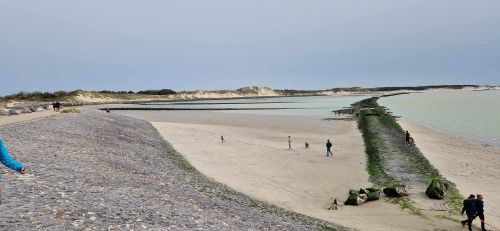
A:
7, 160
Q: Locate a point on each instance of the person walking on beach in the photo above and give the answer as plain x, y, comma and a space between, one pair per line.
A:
480, 210
222, 139
328, 148
470, 209
407, 137
7, 160
289, 143
307, 145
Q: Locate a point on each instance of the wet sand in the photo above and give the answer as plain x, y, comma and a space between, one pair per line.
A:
473, 167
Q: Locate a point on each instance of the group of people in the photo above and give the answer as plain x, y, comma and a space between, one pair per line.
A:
7, 160
329, 146
56, 106
474, 207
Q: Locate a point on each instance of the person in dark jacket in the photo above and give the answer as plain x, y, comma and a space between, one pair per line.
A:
328, 148
470, 209
480, 210
407, 135
7, 160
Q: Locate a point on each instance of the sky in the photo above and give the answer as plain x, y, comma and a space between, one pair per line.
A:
227, 44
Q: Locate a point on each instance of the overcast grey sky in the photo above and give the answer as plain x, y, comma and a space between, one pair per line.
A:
226, 44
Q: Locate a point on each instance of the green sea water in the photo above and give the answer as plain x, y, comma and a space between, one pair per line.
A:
474, 115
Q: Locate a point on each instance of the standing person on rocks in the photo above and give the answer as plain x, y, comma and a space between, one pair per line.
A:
480, 210
328, 148
7, 160
289, 143
57, 106
470, 209
408, 136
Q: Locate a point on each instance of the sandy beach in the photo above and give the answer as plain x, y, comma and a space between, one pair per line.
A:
473, 167
5, 120
255, 161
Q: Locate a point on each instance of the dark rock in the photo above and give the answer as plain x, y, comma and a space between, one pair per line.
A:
396, 191
436, 190
352, 199
373, 189
14, 112
373, 196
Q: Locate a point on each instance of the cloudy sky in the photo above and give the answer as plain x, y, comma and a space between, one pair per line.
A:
226, 44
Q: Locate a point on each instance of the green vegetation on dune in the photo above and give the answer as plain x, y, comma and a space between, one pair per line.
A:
390, 160
40, 96
71, 110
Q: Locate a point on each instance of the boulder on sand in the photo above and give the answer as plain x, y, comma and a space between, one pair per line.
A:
396, 191
362, 198
353, 198
373, 196
436, 190
356, 198
4, 112
372, 189
14, 112
25, 110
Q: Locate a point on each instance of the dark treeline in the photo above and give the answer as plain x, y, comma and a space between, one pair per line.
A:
41, 96
158, 92
61, 95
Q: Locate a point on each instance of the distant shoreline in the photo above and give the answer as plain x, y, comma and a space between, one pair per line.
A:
81, 97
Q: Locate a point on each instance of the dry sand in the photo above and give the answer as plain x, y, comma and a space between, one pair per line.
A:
473, 167
5, 120
255, 160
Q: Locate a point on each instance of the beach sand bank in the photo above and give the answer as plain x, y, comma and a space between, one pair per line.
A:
255, 160
473, 167
5, 120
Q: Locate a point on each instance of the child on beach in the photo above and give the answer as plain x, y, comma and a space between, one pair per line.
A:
7, 160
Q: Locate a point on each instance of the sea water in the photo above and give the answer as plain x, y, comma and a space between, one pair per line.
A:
321, 106
474, 115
